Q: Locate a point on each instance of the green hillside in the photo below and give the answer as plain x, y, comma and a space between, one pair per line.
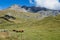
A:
34, 29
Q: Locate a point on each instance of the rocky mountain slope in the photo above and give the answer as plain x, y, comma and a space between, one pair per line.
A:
42, 12
41, 25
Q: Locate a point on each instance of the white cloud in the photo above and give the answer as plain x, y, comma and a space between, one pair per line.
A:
51, 4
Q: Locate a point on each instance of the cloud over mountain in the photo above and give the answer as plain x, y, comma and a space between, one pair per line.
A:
51, 4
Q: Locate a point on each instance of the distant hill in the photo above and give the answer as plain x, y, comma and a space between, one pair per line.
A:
29, 12
37, 9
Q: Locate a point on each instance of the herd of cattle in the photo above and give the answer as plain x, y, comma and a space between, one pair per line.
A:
4, 30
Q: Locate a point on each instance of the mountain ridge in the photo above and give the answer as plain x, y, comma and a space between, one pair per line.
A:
43, 12
29, 9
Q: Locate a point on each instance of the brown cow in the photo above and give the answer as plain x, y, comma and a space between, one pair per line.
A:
18, 31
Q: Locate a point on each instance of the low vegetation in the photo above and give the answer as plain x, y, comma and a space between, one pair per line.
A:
34, 29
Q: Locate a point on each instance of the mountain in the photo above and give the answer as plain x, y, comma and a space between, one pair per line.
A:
37, 9
17, 8
42, 11
29, 12
34, 9
43, 24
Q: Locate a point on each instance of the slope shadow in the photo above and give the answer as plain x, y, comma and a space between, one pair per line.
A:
7, 17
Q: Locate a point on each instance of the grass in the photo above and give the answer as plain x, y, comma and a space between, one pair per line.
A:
45, 29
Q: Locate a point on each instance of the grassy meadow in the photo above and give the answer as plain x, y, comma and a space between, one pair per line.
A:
34, 29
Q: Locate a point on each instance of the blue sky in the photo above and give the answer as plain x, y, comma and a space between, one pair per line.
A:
7, 3
52, 4
59, 0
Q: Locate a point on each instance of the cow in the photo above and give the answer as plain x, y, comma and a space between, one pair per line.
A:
18, 31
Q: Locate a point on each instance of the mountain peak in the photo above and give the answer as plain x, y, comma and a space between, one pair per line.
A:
15, 6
